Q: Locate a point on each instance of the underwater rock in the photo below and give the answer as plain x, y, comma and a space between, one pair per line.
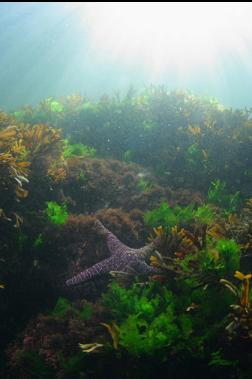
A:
107, 183
54, 337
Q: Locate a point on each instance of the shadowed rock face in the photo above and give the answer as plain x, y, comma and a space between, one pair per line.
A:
122, 258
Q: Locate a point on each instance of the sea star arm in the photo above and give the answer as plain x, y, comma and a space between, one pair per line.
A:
146, 251
99, 268
114, 244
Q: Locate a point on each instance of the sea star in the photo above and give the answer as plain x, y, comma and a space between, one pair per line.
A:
122, 258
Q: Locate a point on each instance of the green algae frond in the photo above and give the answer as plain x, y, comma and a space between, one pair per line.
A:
77, 149
56, 213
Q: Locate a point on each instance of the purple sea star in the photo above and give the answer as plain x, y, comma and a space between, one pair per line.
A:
123, 258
